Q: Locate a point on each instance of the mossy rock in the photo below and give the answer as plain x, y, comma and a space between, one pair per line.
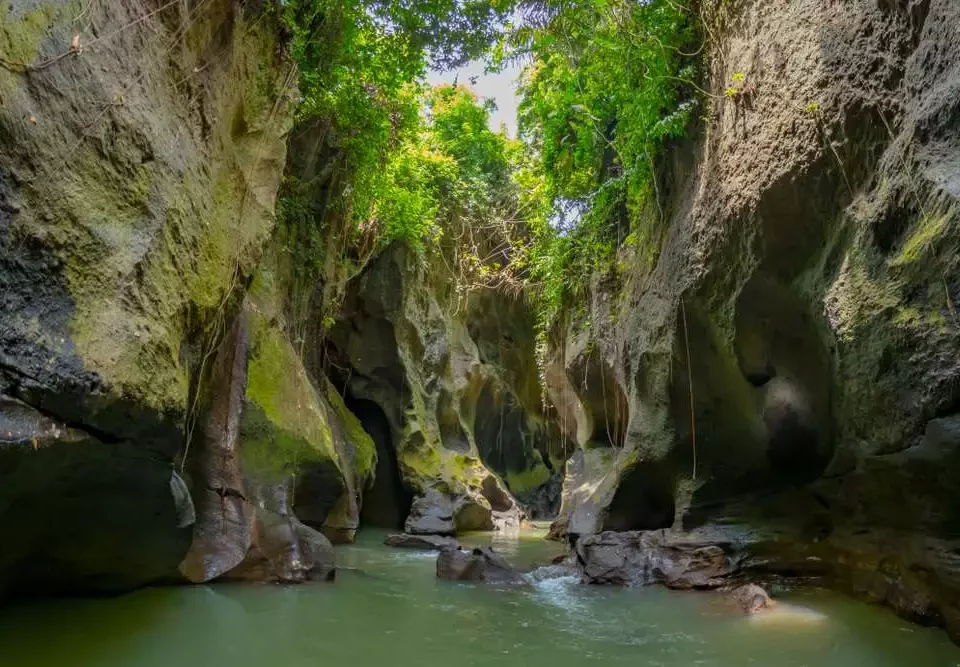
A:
363, 451
141, 216
527, 480
285, 425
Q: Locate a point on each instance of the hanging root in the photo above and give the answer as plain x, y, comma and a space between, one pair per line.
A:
693, 426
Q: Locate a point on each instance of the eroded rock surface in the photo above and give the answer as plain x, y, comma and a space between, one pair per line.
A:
640, 558
461, 412
785, 359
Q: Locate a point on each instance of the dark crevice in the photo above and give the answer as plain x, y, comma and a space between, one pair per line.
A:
103, 436
760, 378
387, 503
644, 500
889, 229
603, 396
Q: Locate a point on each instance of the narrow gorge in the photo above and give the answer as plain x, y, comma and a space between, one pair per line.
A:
268, 296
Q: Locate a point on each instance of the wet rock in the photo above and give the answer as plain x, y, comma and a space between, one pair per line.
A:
428, 542
479, 564
23, 425
430, 514
640, 558
285, 550
222, 527
186, 512
509, 521
472, 515
316, 553
117, 280
810, 365
942, 436
476, 434
751, 598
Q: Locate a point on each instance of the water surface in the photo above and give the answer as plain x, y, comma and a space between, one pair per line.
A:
386, 609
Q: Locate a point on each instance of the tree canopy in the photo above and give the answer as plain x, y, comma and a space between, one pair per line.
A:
606, 84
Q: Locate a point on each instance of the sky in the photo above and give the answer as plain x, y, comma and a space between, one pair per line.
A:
500, 87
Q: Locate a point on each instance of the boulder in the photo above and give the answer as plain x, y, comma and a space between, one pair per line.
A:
426, 542
286, 551
316, 554
430, 514
479, 564
751, 598
639, 558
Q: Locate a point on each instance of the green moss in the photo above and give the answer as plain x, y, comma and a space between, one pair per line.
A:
909, 317
277, 383
525, 480
938, 321
269, 453
420, 465
95, 221
141, 243
926, 233
858, 297
226, 232
466, 470
364, 449
20, 38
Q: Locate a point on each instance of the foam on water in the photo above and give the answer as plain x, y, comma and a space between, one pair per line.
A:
556, 586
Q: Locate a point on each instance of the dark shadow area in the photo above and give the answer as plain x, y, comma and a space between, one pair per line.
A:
602, 395
778, 342
387, 503
500, 432
643, 501
728, 438
513, 445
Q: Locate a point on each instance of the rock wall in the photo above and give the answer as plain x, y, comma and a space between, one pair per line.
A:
453, 379
144, 146
788, 361
165, 407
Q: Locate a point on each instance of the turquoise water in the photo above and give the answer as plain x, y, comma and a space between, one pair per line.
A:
387, 609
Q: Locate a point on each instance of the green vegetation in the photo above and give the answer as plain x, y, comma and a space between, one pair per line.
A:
926, 233
605, 90
607, 85
526, 480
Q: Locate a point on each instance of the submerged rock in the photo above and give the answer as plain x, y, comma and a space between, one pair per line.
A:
428, 542
479, 564
751, 598
317, 556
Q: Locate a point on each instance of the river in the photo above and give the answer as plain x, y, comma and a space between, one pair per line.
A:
387, 609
